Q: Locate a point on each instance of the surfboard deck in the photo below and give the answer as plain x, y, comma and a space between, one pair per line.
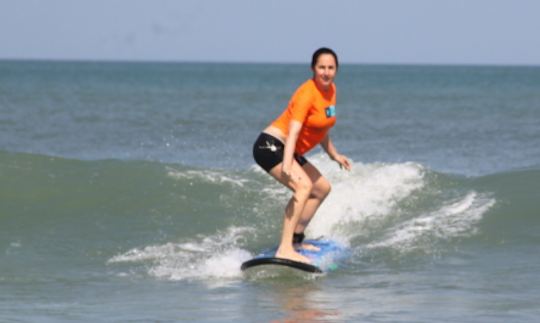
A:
326, 259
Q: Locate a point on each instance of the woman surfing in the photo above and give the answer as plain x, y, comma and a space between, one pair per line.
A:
281, 146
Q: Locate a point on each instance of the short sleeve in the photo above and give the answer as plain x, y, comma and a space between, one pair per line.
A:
300, 104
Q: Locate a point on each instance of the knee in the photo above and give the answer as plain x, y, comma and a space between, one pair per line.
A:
322, 190
303, 189
326, 188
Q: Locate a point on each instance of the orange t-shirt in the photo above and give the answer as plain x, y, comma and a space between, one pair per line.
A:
313, 108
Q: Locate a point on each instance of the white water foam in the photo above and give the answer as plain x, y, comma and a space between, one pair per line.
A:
367, 192
216, 257
457, 218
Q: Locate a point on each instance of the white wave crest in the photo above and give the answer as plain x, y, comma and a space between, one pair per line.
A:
457, 218
208, 176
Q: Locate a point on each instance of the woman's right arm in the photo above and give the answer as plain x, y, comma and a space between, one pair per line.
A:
290, 145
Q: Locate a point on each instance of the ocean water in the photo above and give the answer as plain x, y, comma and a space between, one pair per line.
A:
128, 194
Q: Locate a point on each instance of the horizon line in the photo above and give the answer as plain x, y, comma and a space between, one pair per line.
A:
242, 62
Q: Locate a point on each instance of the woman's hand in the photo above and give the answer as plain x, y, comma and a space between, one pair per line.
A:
342, 161
328, 146
290, 143
286, 170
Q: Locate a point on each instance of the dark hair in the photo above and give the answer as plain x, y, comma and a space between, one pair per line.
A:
321, 51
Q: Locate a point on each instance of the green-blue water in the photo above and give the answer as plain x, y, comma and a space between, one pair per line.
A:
128, 193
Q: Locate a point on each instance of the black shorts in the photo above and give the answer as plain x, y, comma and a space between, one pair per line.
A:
268, 152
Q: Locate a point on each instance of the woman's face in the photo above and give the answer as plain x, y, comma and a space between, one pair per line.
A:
324, 71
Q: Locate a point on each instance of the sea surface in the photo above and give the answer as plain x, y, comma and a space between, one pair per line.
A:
128, 194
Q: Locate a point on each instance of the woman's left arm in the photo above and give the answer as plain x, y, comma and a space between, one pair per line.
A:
330, 149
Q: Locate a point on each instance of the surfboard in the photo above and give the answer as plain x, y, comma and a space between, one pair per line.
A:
326, 259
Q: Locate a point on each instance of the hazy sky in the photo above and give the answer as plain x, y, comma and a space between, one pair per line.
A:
374, 31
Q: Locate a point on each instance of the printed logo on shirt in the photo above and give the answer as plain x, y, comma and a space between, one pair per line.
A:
330, 111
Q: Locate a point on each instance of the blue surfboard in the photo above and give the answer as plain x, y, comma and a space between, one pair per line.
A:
326, 259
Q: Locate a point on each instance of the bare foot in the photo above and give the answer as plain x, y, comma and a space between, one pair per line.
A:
307, 246
292, 255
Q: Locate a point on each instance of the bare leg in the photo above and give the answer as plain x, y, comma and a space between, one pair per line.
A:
321, 189
301, 185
